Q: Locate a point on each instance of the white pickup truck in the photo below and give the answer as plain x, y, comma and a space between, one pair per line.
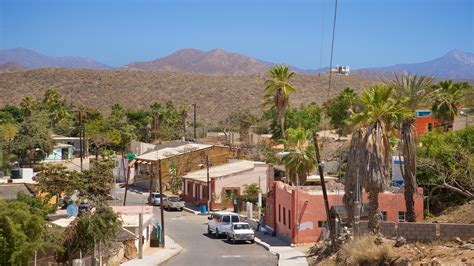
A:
173, 203
240, 232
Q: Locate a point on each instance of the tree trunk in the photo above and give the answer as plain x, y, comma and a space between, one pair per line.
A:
408, 168
282, 126
410, 205
374, 218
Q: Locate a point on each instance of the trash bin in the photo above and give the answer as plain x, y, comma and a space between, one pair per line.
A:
203, 208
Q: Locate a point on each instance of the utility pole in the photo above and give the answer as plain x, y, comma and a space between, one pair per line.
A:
194, 121
140, 235
81, 140
126, 187
152, 176
323, 186
208, 185
161, 205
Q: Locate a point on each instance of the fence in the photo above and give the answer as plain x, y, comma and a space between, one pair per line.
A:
422, 231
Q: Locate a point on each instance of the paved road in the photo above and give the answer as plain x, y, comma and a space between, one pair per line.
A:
190, 231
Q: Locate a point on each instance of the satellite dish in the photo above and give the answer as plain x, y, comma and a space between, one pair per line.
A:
71, 210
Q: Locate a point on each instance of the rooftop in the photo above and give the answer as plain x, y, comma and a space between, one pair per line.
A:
10, 190
170, 152
223, 170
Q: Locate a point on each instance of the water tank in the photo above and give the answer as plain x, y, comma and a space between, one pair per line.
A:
15, 174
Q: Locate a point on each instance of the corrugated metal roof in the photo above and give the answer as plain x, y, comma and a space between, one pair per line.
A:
169, 152
223, 170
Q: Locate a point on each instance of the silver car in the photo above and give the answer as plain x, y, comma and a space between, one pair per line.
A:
155, 198
240, 232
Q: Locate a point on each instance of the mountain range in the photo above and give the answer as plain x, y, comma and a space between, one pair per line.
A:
27, 58
456, 64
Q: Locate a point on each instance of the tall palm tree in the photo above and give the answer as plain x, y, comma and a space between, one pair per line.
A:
277, 90
412, 91
447, 101
299, 159
375, 121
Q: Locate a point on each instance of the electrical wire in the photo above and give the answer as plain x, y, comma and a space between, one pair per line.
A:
332, 49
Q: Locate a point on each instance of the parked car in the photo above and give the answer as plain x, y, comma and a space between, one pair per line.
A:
219, 222
155, 198
240, 232
173, 203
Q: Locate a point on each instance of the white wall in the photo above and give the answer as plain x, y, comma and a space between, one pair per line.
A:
242, 179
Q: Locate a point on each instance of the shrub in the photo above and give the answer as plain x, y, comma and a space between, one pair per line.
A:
365, 251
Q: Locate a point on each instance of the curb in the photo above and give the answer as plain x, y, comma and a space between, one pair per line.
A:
191, 211
265, 245
178, 250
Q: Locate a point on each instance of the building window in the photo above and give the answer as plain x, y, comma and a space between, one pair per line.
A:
289, 219
430, 127
384, 215
284, 216
321, 224
401, 217
279, 213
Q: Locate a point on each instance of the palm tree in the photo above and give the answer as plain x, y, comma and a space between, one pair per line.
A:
299, 158
277, 90
373, 157
447, 101
28, 104
412, 91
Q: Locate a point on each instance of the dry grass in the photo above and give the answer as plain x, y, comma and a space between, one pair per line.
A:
364, 251
216, 95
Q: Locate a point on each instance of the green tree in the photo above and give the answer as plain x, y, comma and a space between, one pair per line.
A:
445, 163
373, 159
340, 110
277, 90
13, 112
299, 159
141, 120
23, 229
87, 230
33, 140
307, 116
447, 102
101, 136
176, 181
54, 180
412, 92
8, 131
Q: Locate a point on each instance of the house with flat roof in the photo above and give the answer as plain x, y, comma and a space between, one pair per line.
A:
186, 157
225, 181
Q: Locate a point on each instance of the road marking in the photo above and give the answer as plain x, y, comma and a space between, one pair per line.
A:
231, 256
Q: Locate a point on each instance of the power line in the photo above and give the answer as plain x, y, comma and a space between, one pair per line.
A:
332, 49
322, 40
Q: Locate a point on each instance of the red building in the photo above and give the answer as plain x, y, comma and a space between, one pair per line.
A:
425, 122
288, 206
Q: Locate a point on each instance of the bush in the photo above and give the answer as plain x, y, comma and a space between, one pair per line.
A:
365, 251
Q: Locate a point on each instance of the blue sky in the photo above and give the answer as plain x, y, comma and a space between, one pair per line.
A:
116, 32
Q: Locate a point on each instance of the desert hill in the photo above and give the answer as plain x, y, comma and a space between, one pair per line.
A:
215, 95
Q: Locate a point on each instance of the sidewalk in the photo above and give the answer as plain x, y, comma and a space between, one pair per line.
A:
286, 254
161, 255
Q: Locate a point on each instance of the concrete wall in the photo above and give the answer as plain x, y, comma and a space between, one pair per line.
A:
450, 231
423, 231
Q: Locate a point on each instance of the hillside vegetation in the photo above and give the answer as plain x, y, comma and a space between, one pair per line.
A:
216, 96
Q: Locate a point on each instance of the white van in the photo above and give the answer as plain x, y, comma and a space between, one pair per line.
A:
220, 222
